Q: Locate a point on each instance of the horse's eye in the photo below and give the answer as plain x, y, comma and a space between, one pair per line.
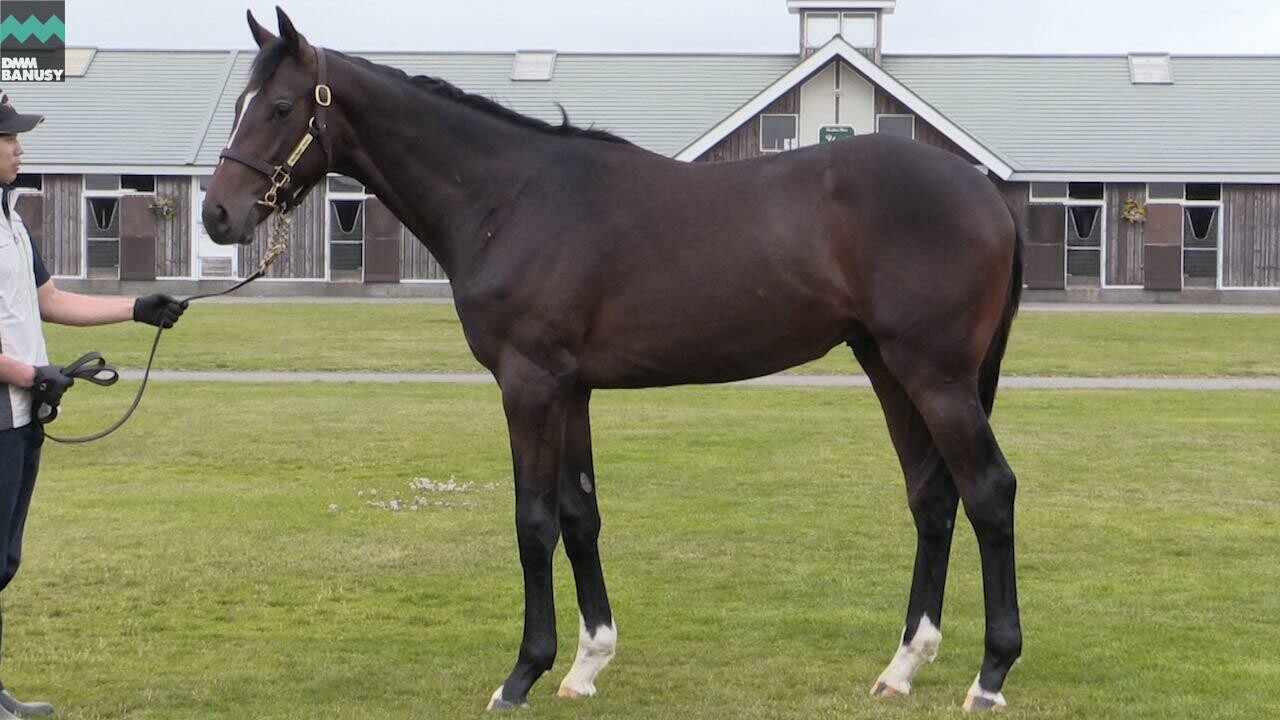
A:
283, 109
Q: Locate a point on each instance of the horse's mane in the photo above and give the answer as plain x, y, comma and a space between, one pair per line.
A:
274, 53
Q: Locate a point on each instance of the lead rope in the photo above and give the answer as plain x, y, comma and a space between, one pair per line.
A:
94, 368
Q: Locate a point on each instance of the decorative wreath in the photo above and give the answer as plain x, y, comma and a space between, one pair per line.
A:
1134, 211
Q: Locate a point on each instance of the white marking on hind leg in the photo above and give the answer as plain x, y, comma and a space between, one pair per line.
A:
593, 654
910, 656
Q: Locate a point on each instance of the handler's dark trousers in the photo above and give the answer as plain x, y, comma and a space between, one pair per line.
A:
19, 462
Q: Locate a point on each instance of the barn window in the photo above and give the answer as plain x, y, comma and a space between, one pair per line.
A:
778, 132
346, 228
26, 181
900, 125
859, 29
102, 237
1210, 192
1165, 191
819, 28
1048, 191
138, 183
344, 184
1085, 191
1084, 244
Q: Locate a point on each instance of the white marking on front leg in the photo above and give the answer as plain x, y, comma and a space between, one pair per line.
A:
910, 656
976, 691
493, 699
593, 654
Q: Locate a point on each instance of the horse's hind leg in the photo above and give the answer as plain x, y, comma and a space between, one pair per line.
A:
580, 526
932, 497
948, 399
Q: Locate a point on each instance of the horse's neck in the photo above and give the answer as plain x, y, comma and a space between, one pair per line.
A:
438, 166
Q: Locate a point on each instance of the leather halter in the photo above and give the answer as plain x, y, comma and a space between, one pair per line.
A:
280, 175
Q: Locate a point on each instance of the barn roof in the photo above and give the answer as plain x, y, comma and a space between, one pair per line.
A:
171, 111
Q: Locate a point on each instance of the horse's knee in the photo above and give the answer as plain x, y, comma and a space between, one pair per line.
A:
537, 531
989, 503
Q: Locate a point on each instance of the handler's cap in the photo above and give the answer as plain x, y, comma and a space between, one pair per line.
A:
12, 121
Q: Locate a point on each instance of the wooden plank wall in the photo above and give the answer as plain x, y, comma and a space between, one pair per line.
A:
416, 262
1124, 239
886, 104
173, 236
304, 256
63, 245
745, 141
1251, 236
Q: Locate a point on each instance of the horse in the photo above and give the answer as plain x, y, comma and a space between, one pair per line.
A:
579, 261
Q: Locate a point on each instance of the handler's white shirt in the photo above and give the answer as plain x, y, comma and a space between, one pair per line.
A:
20, 333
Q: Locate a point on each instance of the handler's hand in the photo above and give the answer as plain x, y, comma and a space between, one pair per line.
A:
50, 384
158, 309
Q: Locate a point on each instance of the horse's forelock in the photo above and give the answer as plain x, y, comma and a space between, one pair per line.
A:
266, 63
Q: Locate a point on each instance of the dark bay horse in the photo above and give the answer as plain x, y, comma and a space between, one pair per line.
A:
579, 261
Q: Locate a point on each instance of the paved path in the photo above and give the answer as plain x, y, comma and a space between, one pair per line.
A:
1071, 383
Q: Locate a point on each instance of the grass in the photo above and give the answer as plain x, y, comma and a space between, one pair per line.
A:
428, 337
756, 541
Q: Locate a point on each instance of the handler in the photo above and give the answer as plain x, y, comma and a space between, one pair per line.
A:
27, 295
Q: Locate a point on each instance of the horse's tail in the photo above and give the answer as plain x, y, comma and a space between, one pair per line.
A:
989, 374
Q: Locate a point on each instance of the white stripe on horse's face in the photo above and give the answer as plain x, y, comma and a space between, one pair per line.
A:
244, 110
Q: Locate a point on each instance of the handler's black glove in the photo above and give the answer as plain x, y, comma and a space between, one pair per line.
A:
158, 309
49, 385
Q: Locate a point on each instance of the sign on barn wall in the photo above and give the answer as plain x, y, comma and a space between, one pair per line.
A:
831, 133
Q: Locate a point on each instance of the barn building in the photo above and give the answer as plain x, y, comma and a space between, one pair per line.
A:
1134, 178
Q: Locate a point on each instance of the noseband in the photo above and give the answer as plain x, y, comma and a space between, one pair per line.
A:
281, 174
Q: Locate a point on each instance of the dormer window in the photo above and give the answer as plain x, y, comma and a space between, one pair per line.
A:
534, 65
1150, 70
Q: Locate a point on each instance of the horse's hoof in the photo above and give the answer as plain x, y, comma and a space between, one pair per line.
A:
882, 690
496, 703
978, 702
567, 692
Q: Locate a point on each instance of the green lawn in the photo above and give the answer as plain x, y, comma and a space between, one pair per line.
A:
756, 541
428, 337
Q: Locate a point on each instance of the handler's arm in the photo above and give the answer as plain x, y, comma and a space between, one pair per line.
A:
68, 308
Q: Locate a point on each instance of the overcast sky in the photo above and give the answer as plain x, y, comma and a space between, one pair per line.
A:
918, 26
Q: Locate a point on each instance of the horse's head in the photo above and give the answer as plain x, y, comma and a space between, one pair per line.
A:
270, 161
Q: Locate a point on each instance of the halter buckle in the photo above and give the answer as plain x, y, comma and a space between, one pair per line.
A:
280, 177
324, 96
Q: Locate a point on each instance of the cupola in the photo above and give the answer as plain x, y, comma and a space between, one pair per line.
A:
859, 22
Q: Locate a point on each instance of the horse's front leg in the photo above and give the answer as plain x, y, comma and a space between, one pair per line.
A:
534, 401
580, 521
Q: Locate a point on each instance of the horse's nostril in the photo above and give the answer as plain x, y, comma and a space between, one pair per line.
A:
215, 219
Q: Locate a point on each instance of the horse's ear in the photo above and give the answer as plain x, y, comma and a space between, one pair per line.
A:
261, 35
292, 38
